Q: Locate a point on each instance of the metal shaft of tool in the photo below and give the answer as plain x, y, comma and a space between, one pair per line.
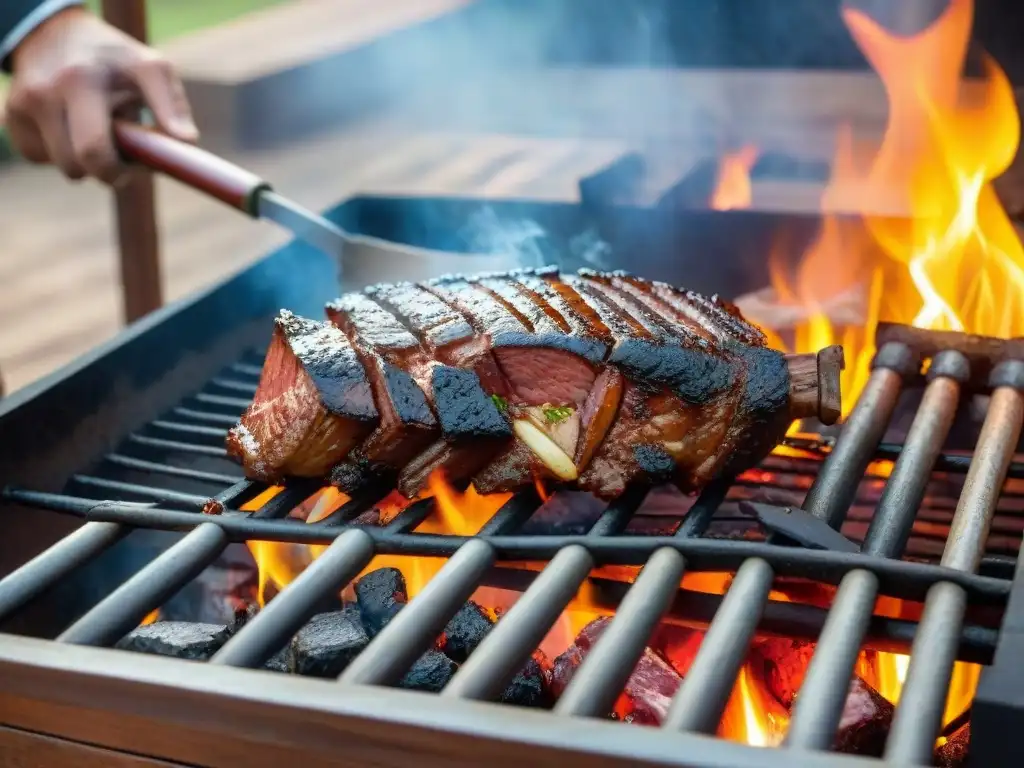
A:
836, 485
819, 707
918, 718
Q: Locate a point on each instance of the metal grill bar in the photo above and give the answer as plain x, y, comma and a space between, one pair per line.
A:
836, 485
705, 690
606, 668
413, 629
140, 465
178, 447
918, 716
125, 607
53, 564
285, 615
161, 495
819, 707
223, 419
116, 615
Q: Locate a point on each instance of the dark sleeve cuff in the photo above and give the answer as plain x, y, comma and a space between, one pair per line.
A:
19, 17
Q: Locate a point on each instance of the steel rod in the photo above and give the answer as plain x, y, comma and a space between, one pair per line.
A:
122, 610
247, 370
210, 418
413, 629
53, 564
178, 447
198, 430
141, 465
819, 707
836, 484
702, 697
285, 615
606, 668
506, 648
918, 717
248, 387
237, 404
148, 492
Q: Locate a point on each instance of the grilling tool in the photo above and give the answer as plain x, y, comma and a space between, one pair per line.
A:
245, 191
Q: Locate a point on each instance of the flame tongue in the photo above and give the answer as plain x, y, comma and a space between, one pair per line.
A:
932, 246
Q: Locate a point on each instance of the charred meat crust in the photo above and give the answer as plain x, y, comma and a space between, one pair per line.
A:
763, 406
440, 359
312, 405
463, 408
407, 423
332, 365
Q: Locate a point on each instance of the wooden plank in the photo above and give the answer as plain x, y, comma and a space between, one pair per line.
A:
302, 31
22, 749
218, 716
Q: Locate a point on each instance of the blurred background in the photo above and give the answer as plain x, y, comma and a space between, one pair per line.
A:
485, 98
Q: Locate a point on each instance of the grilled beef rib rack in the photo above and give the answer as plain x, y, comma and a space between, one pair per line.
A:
602, 379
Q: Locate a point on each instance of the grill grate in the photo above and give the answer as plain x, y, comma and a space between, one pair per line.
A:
181, 447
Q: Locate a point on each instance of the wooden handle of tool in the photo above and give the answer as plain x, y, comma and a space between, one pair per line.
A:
187, 163
814, 385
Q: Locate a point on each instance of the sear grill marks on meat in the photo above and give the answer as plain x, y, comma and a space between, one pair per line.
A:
397, 369
601, 378
313, 404
471, 428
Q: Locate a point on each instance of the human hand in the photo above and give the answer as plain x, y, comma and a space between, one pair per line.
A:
72, 75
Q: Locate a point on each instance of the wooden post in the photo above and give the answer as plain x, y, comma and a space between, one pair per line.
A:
135, 202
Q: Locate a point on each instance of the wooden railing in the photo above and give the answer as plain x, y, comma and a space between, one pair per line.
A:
135, 203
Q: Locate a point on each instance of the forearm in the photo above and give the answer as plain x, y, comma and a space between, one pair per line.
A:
19, 17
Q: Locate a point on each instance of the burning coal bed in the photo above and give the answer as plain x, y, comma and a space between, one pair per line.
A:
757, 712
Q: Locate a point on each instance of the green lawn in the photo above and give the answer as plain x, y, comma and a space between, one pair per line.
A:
170, 18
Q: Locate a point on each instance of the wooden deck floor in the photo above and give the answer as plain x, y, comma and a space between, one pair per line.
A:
59, 285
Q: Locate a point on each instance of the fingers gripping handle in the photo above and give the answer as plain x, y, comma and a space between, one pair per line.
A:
190, 165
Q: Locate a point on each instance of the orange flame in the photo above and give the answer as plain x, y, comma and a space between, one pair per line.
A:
954, 260
752, 715
732, 189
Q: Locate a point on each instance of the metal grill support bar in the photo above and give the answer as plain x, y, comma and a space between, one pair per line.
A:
836, 485
918, 716
819, 708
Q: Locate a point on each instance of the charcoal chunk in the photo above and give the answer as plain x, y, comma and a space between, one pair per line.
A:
466, 631
380, 594
180, 639
328, 643
531, 687
280, 661
431, 672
